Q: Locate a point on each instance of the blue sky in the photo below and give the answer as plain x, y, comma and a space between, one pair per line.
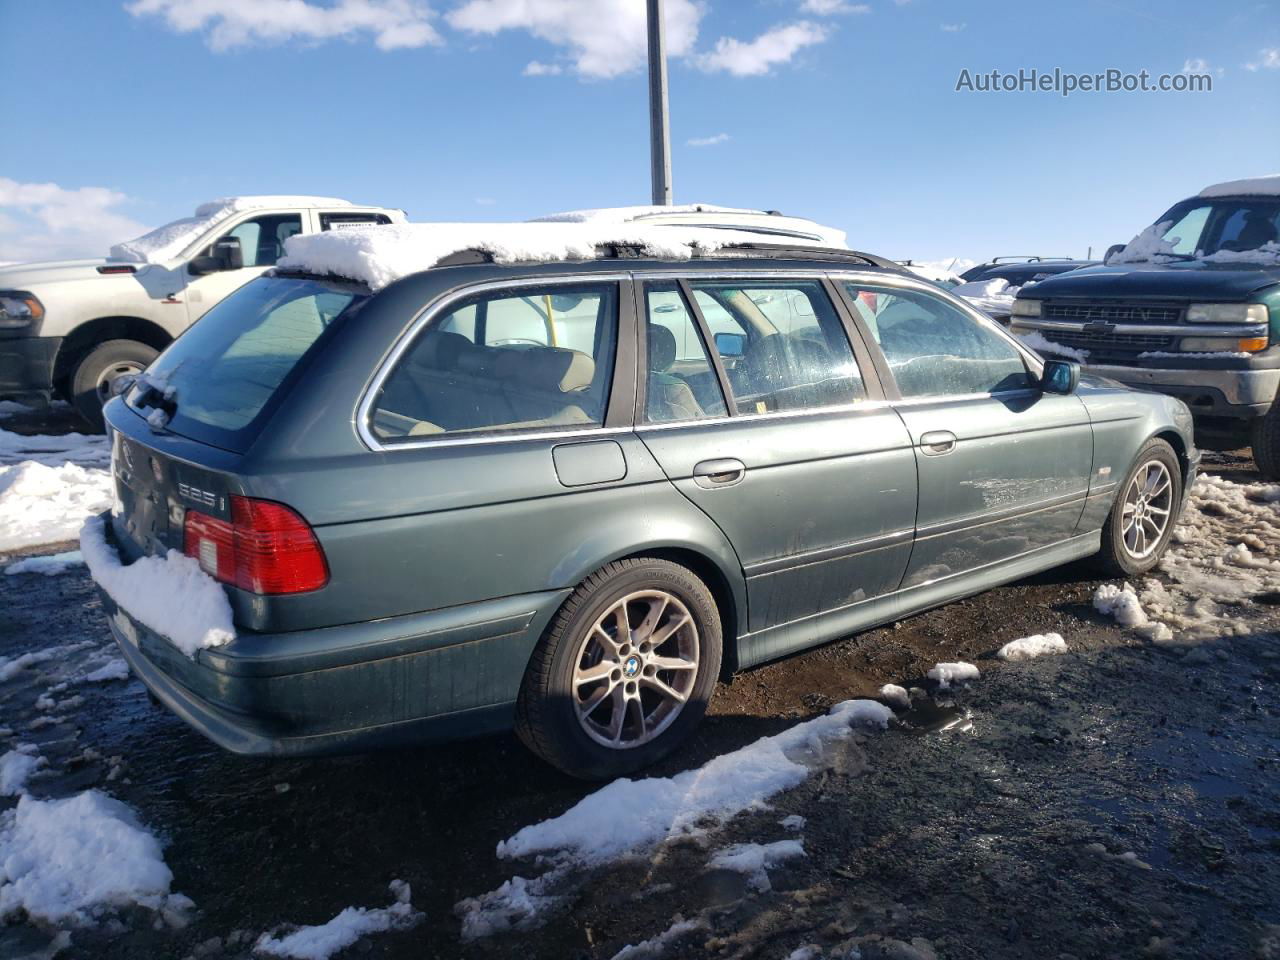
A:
126, 115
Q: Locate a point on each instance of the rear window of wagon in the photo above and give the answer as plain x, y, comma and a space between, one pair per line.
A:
232, 367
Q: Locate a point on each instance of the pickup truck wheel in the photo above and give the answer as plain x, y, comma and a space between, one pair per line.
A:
1142, 519
1266, 443
91, 384
624, 672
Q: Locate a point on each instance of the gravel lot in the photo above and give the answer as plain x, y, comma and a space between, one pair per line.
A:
1122, 800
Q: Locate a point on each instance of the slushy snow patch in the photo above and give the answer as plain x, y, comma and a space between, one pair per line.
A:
54, 450
68, 861
169, 594
629, 817
381, 255
657, 946
792, 822
755, 860
50, 565
40, 504
1028, 648
1038, 342
945, 674
323, 941
114, 669
171, 240
1120, 603
895, 696
16, 767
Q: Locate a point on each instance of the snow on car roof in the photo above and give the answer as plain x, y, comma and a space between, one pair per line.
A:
379, 255
1268, 186
167, 242
629, 214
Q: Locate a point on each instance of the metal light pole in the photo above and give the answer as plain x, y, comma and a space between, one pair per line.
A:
659, 122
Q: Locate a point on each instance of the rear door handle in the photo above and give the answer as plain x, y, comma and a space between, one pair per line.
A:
935, 443
713, 474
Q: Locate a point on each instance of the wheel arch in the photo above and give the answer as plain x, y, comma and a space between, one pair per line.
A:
80, 341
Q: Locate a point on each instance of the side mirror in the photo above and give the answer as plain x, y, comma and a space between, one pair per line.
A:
1112, 251
225, 254
731, 344
1060, 376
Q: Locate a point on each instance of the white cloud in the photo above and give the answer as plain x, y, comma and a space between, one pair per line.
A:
708, 141
952, 27
394, 24
827, 8
1268, 59
43, 221
753, 58
602, 38
536, 68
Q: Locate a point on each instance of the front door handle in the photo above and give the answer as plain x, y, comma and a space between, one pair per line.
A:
713, 474
935, 443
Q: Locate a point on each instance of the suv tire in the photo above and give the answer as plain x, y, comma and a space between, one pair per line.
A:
91, 382
1141, 521
584, 674
1265, 437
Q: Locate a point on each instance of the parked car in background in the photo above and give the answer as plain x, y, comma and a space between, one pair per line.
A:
1190, 307
768, 224
1018, 271
71, 327
445, 495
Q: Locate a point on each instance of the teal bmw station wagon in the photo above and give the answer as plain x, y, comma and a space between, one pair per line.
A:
569, 496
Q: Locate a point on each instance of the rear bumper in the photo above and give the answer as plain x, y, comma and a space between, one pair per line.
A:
26, 365
444, 675
1238, 393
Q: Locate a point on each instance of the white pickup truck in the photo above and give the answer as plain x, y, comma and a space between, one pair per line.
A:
71, 327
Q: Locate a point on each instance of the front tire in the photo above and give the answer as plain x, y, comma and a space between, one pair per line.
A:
101, 366
1142, 519
624, 672
1266, 443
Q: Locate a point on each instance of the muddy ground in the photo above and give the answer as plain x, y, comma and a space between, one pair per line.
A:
1120, 801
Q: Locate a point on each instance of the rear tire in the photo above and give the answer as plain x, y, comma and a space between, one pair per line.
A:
1265, 436
91, 382
1142, 519
599, 700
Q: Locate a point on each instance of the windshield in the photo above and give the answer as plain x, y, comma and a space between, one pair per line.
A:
1219, 230
218, 381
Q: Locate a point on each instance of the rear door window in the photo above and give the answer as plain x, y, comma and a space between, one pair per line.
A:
516, 360
231, 367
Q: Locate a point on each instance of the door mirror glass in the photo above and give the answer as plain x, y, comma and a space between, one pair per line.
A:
1060, 376
731, 344
228, 253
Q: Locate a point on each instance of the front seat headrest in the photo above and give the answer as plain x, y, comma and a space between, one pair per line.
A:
662, 348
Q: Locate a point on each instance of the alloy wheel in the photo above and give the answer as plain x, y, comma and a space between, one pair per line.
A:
1148, 505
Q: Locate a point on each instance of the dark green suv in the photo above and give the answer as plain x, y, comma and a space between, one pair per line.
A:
444, 496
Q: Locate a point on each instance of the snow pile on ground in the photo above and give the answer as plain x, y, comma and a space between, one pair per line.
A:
792, 822
945, 674
990, 296
70, 860
756, 860
1120, 603
353, 923
658, 946
1038, 342
1028, 648
165, 243
113, 669
1265, 186
628, 817
50, 565
16, 768
895, 696
41, 504
171, 594
54, 450
381, 255
9, 408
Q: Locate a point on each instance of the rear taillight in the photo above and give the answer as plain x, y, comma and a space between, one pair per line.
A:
265, 548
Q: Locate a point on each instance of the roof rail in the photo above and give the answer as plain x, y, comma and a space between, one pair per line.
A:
1026, 259
624, 251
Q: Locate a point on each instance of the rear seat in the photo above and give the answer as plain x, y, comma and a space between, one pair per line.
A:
461, 386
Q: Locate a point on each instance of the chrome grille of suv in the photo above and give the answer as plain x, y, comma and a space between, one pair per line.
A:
1111, 312
1126, 342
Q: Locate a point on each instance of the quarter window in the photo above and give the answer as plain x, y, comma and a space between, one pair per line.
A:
782, 345
935, 349
537, 358
681, 383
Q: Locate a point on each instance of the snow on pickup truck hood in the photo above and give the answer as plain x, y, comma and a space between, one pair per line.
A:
165, 243
380, 255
